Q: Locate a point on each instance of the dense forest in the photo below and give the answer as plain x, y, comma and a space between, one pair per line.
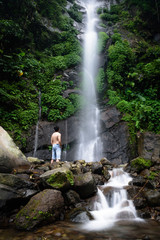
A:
38, 41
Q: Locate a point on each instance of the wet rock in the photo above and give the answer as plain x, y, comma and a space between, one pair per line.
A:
100, 180
85, 185
124, 214
139, 164
72, 197
10, 155
44, 207
105, 161
141, 182
79, 215
153, 197
59, 178
96, 168
140, 203
106, 173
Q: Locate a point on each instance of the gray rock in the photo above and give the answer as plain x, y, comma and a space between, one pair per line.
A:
59, 178
79, 215
72, 197
10, 155
85, 185
149, 146
15, 181
96, 168
45, 206
153, 197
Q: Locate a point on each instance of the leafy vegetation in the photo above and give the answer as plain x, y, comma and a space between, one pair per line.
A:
134, 65
36, 48
102, 40
141, 163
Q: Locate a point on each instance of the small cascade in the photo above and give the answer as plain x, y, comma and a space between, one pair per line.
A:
37, 125
112, 205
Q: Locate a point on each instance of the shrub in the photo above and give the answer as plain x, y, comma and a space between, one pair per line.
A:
100, 80
103, 37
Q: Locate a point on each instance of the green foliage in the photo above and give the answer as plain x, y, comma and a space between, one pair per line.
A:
116, 37
100, 80
133, 82
103, 37
153, 175
140, 163
121, 58
75, 13
31, 55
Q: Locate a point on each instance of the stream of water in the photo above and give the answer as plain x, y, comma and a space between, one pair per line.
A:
112, 204
90, 146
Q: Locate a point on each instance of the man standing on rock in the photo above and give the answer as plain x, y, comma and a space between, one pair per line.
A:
56, 145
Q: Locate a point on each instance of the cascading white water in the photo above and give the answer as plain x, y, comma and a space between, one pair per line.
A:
90, 146
112, 204
37, 126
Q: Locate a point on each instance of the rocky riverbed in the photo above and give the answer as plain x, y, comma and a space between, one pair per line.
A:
35, 193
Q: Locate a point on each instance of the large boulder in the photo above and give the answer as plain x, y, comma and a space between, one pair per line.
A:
45, 206
14, 190
10, 155
85, 185
59, 178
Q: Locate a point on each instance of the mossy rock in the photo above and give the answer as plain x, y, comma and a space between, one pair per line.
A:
139, 164
60, 178
44, 207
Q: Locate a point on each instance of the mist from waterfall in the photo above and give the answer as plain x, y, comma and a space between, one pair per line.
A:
89, 146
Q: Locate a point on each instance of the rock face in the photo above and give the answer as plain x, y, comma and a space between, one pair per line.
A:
10, 155
44, 206
114, 135
149, 146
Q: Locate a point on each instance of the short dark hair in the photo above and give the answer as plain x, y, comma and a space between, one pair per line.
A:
56, 128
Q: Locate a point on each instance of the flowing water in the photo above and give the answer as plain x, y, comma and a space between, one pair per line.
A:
90, 146
112, 205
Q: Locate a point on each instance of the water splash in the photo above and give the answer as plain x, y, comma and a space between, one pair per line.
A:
90, 146
112, 204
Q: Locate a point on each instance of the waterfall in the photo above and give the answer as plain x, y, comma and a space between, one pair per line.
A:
37, 125
90, 146
112, 205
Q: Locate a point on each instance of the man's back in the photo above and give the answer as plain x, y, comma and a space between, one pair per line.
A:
56, 138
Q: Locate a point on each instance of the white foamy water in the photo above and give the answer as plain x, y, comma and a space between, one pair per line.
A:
112, 204
90, 146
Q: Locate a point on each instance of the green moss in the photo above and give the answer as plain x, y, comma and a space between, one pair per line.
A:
152, 175
61, 179
70, 177
140, 163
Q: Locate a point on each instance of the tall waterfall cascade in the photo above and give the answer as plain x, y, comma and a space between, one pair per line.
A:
89, 146
112, 204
